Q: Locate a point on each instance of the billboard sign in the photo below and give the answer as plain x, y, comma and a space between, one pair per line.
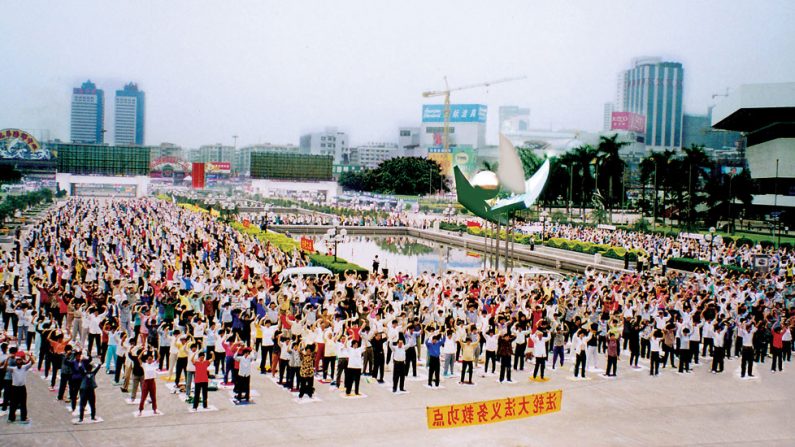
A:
197, 176
465, 158
731, 170
218, 167
459, 113
631, 122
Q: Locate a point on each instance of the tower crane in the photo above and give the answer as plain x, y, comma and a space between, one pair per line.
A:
446, 93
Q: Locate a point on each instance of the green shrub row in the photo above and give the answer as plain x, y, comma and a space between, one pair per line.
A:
288, 244
279, 240
341, 266
451, 226
608, 251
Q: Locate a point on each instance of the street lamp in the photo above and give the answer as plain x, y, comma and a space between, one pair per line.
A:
449, 212
570, 167
711, 239
264, 226
336, 235
544, 216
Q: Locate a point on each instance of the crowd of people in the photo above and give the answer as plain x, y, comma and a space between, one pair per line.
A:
660, 248
142, 289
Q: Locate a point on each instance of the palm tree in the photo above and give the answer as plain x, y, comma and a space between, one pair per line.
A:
724, 189
657, 167
610, 163
695, 162
581, 157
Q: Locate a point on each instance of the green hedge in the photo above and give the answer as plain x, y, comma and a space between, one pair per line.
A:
608, 251
341, 266
690, 265
288, 244
449, 226
281, 241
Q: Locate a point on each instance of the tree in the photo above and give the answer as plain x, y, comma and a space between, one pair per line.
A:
655, 169
611, 167
401, 175
695, 163
581, 157
724, 188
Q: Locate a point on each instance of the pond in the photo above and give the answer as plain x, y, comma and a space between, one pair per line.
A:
408, 255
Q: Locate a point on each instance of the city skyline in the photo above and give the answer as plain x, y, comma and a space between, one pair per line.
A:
255, 82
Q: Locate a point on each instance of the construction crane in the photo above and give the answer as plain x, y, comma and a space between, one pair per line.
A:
446, 93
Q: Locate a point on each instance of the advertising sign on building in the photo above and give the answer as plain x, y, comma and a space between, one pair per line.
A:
628, 121
459, 113
465, 158
218, 167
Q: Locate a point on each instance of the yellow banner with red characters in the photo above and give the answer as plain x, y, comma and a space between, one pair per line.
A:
498, 410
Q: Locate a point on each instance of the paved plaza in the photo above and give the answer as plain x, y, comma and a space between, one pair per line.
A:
634, 409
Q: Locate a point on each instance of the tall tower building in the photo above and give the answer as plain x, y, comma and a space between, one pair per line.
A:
129, 116
607, 119
514, 119
653, 88
88, 114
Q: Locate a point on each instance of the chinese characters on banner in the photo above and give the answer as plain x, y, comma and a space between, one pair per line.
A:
307, 244
489, 411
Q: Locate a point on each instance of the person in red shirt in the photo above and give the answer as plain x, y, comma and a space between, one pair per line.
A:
777, 351
201, 379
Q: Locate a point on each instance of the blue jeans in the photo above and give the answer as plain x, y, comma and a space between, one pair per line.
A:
22, 334
230, 364
449, 362
557, 351
110, 357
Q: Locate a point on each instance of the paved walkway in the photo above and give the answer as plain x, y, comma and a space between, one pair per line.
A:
634, 409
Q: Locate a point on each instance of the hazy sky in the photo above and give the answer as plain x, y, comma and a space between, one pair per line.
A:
268, 71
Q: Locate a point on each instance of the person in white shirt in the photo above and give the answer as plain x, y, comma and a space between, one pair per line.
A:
578, 346
268, 330
540, 339
717, 348
342, 360
746, 332
448, 351
655, 346
353, 371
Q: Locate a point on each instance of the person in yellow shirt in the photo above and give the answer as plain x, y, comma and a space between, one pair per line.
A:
183, 345
467, 358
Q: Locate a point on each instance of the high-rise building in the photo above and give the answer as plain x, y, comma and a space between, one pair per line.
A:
88, 114
409, 141
129, 116
467, 128
653, 88
373, 154
698, 130
329, 142
514, 119
765, 113
242, 157
608, 116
